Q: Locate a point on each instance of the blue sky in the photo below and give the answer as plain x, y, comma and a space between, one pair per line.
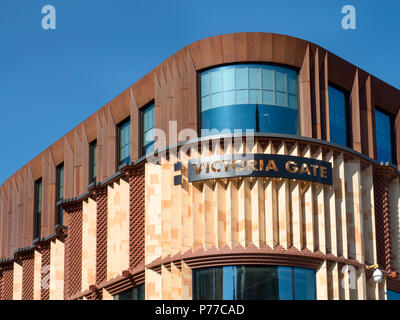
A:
50, 81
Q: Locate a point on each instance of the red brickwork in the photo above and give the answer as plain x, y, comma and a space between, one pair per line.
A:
101, 235
1, 284
28, 265
8, 278
67, 254
73, 252
45, 279
136, 217
382, 221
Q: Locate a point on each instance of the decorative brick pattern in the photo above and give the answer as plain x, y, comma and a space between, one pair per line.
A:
28, 265
45, 283
101, 235
1, 284
136, 217
8, 277
382, 221
75, 251
67, 257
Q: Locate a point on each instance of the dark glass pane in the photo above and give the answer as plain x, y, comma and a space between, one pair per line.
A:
38, 209
207, 284
256, 283
383, 129
285, 283
60, 215
148, 125
93, 162
304, 284
59, 193
124, 142
230, 117
393, 295
235, 283
271, 119
337, 116
137, 293
60, 183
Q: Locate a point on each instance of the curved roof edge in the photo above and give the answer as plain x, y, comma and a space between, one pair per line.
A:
214, 50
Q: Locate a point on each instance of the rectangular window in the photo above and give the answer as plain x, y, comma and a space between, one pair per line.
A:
124, 142
148, 129
38, 209
93, 161
338, 116
384, 136
59, 192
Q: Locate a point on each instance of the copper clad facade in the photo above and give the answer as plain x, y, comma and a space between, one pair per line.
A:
136, 226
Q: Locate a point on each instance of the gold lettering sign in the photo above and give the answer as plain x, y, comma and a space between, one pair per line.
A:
271, 166
291, 167
198, 168
260, 165
304, 168
213, 166
242, 165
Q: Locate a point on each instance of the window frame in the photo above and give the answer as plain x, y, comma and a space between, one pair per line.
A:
118, 127
37, 217
92, 174
348, 114
141, 125
59, 211
392, 133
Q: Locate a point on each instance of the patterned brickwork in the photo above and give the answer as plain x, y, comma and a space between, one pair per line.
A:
136, 217
8, 278
1, 284
382, 221
45, 279
28, 265
75, 251
101, 235
67, 254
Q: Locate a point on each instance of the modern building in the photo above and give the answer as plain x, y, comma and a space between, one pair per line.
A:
297, 206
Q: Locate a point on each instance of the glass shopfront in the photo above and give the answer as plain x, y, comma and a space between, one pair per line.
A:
254, 283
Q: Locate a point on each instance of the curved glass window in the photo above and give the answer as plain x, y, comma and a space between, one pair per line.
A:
136, 293
254, 283
259, 97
